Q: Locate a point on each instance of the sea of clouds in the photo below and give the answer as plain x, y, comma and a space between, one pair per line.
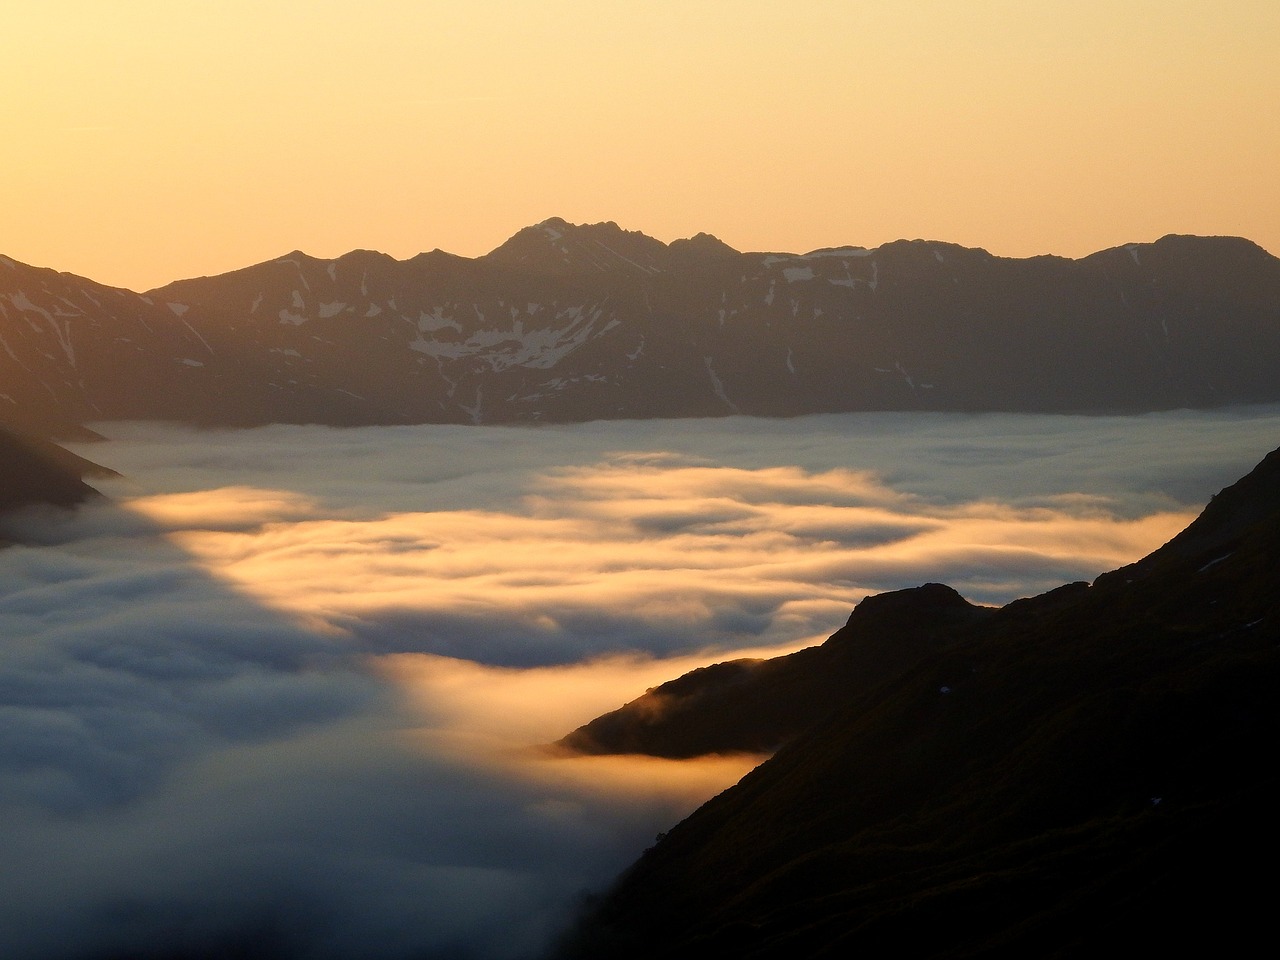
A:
283, 694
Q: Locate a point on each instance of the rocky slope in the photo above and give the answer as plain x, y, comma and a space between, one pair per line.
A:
567, 323
1087, 768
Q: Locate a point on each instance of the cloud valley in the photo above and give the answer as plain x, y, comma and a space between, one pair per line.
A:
284, 694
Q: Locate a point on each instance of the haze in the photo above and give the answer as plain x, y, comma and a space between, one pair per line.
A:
148, 140
284, 697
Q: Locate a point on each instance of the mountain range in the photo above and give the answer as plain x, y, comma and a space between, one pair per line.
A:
1087, 770
571, 322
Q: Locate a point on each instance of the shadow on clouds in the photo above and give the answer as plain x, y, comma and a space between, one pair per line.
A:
183, 768
283, 696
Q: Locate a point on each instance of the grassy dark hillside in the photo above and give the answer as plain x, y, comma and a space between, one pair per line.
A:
755, 706
1090, 767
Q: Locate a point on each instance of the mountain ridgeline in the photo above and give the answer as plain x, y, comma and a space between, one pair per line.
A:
571, 323
1084, 771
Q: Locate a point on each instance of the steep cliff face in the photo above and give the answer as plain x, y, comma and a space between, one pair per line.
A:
571, 323
1087, 767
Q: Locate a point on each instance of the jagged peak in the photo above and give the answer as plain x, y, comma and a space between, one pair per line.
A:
558, 247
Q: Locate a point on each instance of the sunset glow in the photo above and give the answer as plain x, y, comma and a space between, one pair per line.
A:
149, 140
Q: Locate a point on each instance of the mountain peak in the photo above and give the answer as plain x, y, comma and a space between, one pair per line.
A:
702, 247
558, 247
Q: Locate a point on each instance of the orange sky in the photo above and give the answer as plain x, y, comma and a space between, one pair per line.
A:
149, 140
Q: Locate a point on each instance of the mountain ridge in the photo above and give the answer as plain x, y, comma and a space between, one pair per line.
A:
566, 323
1239, 242
1087, 767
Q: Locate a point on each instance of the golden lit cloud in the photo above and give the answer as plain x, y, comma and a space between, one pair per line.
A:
703, 548
298, 682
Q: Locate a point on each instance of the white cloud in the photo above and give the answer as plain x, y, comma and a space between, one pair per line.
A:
287, 691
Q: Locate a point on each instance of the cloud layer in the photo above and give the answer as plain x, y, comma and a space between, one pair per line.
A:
283, 696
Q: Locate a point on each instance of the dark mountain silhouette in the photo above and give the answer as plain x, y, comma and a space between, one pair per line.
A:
570, 323
1088, 768
754, 706
35, 472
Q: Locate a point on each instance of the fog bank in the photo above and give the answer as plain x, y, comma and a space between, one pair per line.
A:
282, 695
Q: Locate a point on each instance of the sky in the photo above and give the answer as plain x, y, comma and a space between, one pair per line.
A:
282, 694
152, 140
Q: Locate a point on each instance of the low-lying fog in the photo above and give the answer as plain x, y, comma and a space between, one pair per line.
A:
280, 694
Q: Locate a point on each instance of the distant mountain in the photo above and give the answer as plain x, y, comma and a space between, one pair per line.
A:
570, 323
1087, 770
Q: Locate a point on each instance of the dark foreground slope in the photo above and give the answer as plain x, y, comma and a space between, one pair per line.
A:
755, 706
34, 471
1091, 767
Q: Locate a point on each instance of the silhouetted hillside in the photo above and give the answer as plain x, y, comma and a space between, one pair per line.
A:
1083, 771
34, 471
755, 706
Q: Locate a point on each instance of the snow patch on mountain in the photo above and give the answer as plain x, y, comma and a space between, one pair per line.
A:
717, 385
431, 322
515, 346
196, 333
23, 303
61, 330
